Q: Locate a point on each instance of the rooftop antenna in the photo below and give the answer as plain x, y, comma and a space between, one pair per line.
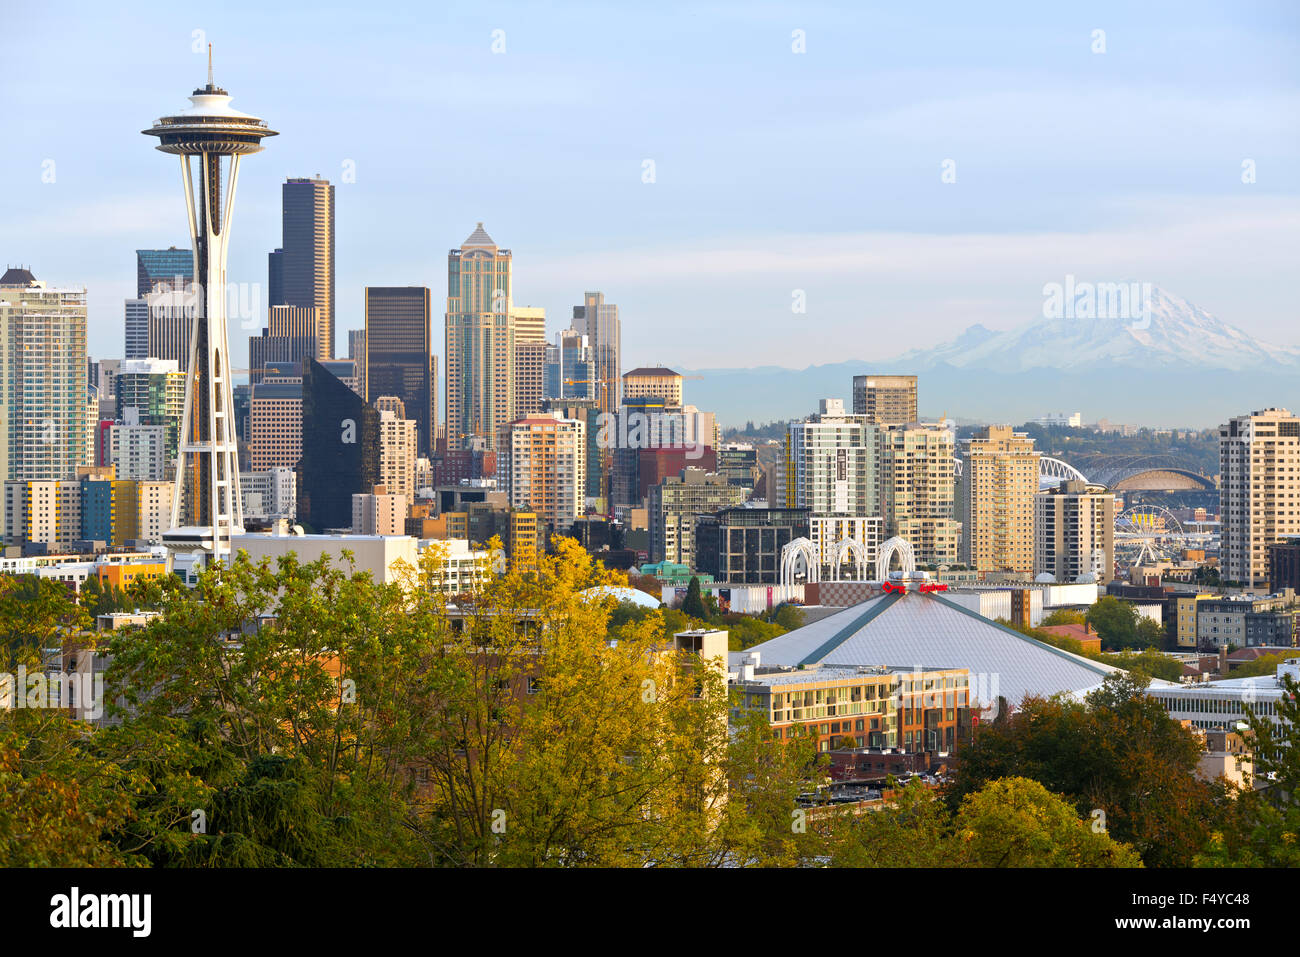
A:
210, 66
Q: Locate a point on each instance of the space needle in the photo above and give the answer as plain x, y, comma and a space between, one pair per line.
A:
206, 506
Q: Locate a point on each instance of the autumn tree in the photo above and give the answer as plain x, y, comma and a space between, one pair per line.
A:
1117, 753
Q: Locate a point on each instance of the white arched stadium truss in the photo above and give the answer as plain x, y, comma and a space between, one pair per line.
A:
900, 546
796, 552
854, 551
1053, 471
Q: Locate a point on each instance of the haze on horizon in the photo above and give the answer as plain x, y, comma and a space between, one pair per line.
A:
775, 171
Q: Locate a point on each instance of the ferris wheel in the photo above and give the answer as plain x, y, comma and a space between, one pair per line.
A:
1149, 532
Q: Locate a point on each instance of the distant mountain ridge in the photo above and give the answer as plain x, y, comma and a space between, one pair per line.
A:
1176, 365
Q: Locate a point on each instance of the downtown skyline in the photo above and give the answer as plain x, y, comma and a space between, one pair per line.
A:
1116, 166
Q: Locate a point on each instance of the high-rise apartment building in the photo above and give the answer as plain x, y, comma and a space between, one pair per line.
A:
917, 490
137, 451
301, 271
677, 503
155, 389
43, 427
832, 465
397, 455
885, 399
1074, 533
999, 480
398, 357
1259, 491
598, 321
480, 346
545, 468
657, 382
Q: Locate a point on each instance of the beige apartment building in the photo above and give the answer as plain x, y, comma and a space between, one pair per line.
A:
885, 399
545, 466
1259, 491
654, 382
916, 489
1074, 533
996, 501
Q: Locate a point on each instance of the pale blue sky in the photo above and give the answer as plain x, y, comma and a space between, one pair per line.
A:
775, 171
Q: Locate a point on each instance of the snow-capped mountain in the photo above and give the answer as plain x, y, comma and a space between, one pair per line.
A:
1170, 334
1172, 365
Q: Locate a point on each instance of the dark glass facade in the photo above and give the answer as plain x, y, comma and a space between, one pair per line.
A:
399, 360
340, 448
743, 545
171, 266
307, 253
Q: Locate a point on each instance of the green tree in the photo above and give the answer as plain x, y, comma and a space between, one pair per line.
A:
1264, 828
1114, 621
693, 603
1016, 822
1118, 753
1009, 822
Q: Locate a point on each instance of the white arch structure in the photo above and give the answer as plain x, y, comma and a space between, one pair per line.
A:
900, 546
855, 552
1053, 471
792, 554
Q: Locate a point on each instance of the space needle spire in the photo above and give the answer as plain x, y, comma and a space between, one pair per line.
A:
206, 506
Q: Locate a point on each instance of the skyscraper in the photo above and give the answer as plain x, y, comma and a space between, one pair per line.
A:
305, 260
1259, 484
292, 335
171, 267
43, 425
206, 507
136, 316
885, 399
480, 347
340, 448
357, 352
530, 377
398, 353
568, 373
999, 480
598, 321
170, 324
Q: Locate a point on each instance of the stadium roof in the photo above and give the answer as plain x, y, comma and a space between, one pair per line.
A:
929, 631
